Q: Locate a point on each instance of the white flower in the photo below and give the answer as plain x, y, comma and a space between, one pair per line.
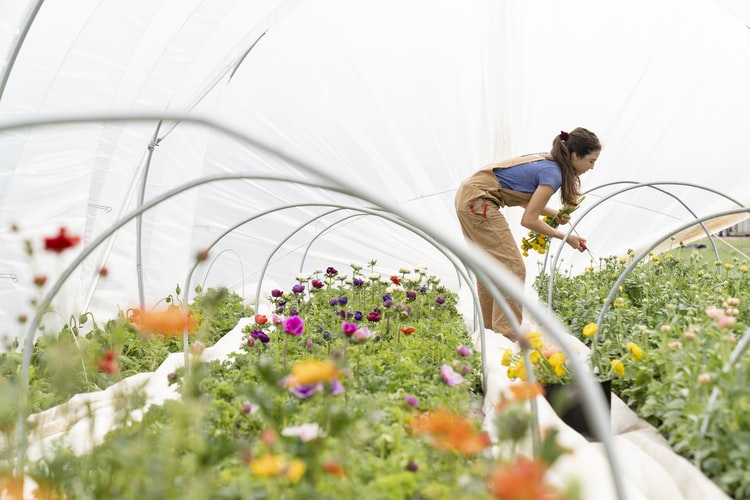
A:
306, 432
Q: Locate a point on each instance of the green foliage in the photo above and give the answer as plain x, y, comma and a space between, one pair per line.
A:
686, 312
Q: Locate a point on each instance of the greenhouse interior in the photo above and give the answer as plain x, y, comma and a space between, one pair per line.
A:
232, 266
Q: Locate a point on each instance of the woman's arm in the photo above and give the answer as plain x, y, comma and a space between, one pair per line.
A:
537, 208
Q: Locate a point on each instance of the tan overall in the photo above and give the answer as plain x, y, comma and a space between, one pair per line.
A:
478, 202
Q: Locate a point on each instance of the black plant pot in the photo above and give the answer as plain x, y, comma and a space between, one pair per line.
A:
568, 403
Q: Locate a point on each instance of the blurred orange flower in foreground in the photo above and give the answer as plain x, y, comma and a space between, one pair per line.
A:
521, 391
521, 480
170, 322
450, 431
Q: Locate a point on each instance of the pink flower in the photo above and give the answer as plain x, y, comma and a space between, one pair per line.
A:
348, 328
449, 376
412, 401
294, 325
362, 333
463, 350
704, 378
675, 345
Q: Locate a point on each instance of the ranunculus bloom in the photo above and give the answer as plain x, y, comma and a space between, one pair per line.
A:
298, 288
411, 294
294, 325
463, 350
261, 319
411, 400
331, 271
61, 242
169, 322
311, 372
449, 376
523, 478
348, 328
362, 334
373, 316
358, 282
358, 315
108, 363
317, 284
590, 330
276, 293
343, 300
306, 432
439, 299
450, 431
396, 280
407, 331
635, 350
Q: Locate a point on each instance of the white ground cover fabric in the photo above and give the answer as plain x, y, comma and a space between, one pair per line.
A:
650, 470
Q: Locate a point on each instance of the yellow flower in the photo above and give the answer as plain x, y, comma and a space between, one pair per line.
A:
617, 367
728, 266
507, 356
513, 372
560, 370
535, 356
535, 339
556, 359
590, 330
635, 350
268, 466
311, 372
295, 470
743, 269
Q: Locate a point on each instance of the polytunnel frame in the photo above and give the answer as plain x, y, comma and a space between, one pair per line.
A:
652, 185
475, 258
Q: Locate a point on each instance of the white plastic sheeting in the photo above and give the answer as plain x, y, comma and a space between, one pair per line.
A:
401, 99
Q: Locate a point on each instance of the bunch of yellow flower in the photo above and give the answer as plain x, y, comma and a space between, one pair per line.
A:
548, 362
540, 242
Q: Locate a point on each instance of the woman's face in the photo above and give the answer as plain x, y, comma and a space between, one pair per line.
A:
584, 163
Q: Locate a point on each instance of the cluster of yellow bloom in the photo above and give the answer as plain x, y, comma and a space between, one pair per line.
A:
548, 362
540, 242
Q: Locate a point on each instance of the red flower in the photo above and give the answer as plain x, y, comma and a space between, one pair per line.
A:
103, 272
40, 280
407, 331
261, 319
396, 280
61, 242
108, 363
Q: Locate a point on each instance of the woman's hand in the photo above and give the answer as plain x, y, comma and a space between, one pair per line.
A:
577, 242
562, 220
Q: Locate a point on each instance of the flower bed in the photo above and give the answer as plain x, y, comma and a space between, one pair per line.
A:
678, 317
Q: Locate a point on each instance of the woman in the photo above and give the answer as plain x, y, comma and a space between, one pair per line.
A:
527, 181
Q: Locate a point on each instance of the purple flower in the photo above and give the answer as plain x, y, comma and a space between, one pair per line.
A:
387, 303
439, 299
336, 387
464, 351
343, 300
449, 376
298, 288
358, 282
387, 297
331, 271
411, 294
333, 302
412, 466
412, 401
317, 284
260, 335
326, 335
466, 368
373, 316
293, 312
422, 289
294, 325
349, 328
247, 408
310, 344
276, 293
304, 391
358, 315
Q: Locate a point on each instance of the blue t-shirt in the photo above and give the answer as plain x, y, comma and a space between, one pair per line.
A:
527, 177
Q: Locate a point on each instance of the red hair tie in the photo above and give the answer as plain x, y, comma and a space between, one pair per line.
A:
564, 136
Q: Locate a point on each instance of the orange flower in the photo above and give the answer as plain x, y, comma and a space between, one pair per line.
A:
334, 468
521, 391
450, 431
311, 372
170, 322
522, 480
